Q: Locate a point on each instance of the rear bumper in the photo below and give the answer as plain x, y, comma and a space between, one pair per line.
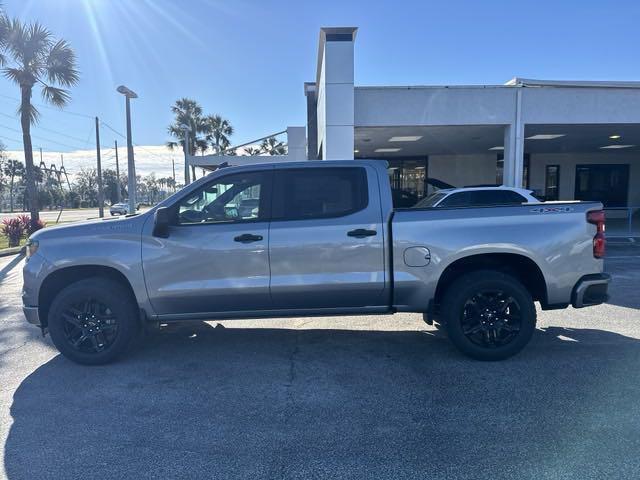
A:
32, 315
591, 290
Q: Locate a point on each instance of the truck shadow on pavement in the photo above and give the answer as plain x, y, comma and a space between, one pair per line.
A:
275, 403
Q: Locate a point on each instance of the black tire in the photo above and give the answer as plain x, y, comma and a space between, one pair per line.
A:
101, 311
488, 315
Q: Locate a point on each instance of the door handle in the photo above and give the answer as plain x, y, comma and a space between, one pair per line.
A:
247, 238
361, 233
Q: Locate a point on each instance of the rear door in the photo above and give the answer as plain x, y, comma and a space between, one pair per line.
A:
326, 238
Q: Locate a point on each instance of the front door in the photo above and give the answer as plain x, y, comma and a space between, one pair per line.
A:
327, 238
608, 184
215, 258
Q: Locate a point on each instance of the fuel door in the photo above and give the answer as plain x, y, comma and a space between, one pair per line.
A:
417, 256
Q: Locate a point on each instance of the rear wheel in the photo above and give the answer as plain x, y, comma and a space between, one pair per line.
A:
488, 315
93, 321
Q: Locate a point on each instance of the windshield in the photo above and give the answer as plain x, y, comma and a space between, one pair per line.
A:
430, 201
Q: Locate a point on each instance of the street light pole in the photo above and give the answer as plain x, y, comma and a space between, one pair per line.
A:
118, 192
131, 166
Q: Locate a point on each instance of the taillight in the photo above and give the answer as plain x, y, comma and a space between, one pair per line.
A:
597, 217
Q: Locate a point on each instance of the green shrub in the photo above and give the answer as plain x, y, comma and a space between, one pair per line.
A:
13, 229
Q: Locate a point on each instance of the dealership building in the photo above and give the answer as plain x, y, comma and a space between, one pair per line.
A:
563, 139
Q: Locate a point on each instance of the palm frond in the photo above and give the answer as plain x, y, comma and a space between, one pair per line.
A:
201, 145
172, 145
55, 96
14, 74
16, 38
4, 32
60, 64
32, 113
186, 106
37, 44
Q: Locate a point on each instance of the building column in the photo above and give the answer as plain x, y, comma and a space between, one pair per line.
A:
514, 146
312, 120
296, 143
335, 94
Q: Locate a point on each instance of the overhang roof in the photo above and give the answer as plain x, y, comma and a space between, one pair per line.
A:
529, 82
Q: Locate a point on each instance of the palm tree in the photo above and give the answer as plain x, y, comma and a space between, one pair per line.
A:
252, 151
219, 131
13, 169
30, 56
273, 147
187, 112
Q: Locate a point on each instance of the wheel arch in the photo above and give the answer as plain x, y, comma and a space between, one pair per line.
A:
519, 266
57, 280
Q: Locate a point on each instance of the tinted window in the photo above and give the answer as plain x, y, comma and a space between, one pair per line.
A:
483, 198
319, 192
497, 197
431, 200
234, 198
461, 199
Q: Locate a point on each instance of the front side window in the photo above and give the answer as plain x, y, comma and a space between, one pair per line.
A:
234, 198
319, 192
431, 200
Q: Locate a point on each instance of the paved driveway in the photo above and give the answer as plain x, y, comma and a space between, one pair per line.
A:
359, 397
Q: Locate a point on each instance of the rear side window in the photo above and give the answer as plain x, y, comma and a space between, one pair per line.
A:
497, 197
461, 199
318, 192
483, 198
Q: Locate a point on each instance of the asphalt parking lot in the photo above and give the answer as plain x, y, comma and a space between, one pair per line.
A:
359, 397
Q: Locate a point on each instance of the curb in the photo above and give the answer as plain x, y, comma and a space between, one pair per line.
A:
5, 252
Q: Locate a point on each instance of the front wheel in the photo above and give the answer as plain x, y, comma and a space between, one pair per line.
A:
93, 321
488, 315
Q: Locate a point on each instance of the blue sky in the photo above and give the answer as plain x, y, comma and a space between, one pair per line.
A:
247, 60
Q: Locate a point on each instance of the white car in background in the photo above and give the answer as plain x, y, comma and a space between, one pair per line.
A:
121, 209
477, 197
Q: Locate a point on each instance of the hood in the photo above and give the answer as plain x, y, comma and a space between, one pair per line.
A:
93, 227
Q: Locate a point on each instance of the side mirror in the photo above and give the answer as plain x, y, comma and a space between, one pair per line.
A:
161, 222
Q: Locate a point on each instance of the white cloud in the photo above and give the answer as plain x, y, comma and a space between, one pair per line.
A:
148, 159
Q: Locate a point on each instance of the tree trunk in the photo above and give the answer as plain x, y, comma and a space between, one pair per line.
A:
11, 194
25, 120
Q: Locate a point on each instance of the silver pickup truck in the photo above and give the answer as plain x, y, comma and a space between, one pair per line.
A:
312, 238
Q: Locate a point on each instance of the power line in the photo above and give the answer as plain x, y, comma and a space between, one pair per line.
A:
9, 138
59, 110
135, 144
75, 147
49, 130
105, 124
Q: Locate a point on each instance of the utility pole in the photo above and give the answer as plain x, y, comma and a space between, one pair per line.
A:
173, 166
99, 166
65, 171
117, 175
